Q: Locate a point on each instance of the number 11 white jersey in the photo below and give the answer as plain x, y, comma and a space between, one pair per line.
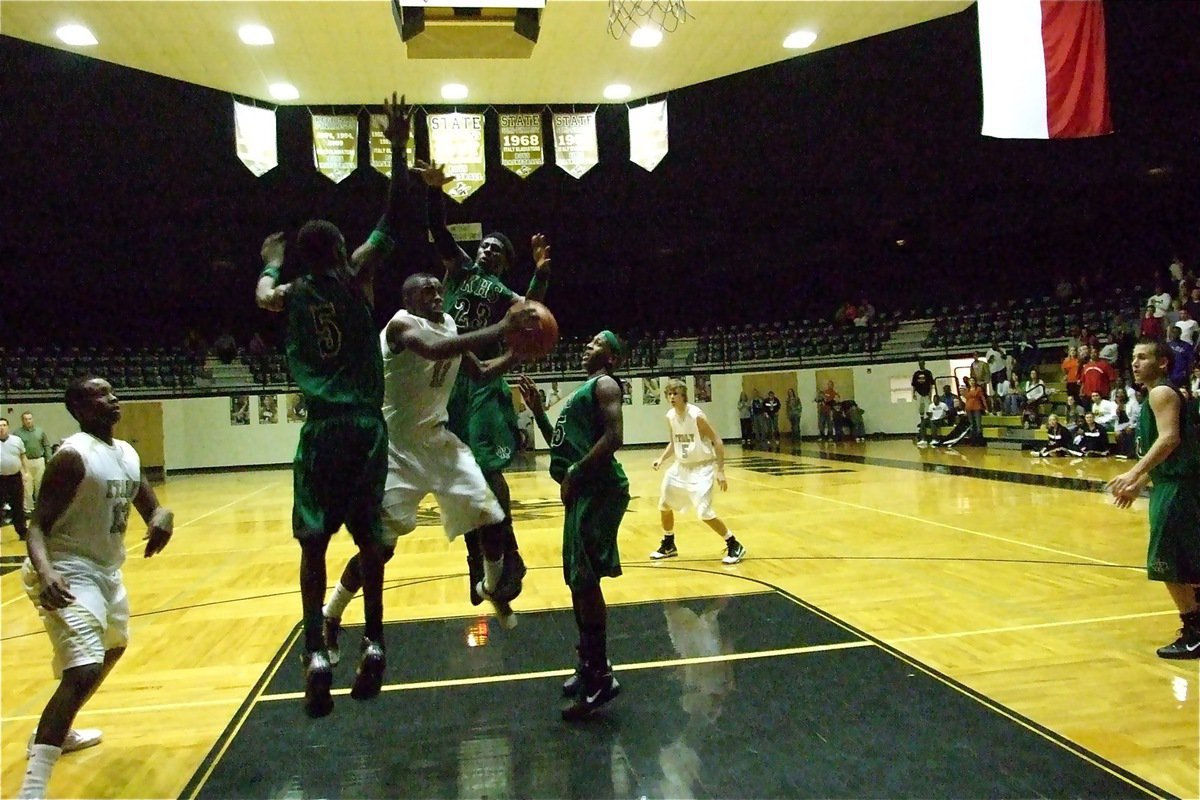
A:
416, 390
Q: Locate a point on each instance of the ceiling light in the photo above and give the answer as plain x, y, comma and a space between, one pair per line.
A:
76, 35
799, 40
284, 91
646, 37
454, 91
257, 35
616, 91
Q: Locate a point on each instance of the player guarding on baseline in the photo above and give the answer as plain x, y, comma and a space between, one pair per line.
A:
699, 462
341, 460
1170, 458
73, 572
482, 412
422, 351
595, 494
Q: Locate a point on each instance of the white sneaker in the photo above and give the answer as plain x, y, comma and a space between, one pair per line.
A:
77, 739
922, 443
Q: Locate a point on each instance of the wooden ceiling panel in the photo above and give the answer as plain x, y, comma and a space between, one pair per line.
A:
349, 51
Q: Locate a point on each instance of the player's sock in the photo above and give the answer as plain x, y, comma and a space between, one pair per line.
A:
491, 573
728, 535
37, 772
338, 601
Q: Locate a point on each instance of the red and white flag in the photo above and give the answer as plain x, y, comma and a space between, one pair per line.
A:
1045, 74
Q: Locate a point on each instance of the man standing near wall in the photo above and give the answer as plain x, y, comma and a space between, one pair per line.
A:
12, 472
922, 393
37, 450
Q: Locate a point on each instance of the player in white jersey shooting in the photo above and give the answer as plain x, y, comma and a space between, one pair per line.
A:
73, 572
422, 352
699, 462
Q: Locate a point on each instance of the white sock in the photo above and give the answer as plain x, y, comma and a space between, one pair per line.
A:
728, 535
491, 573
338, 601
670, 534
37, 772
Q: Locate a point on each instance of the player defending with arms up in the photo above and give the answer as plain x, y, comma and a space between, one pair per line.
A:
699, 462
422, 351
341, 460
595, 493
73, 573
1170, 457
481, 412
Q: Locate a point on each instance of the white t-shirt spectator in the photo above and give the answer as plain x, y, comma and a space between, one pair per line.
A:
1188, 330
1105, 411
1161, 304
996, 360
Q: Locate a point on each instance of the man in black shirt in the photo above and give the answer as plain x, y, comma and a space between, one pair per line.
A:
922, 392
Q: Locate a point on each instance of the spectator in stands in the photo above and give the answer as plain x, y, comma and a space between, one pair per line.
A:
793, 407
1159, 303
758, 419
1193, 304
865, 315
981, 373
1087, 338
771, 406
1096, 377
1151, 326
744, 416
1189, 329
1070, 369
1072, 414
1010, 397
1121, 331
1090, 439
1029, 355
1035, 394
998, 365
1125, 428
947, 397
1058, 439
1104, 411
196, 346
1195, 384
1182, 357
975, 403
935, 417
826, 399
225, 348
961, 426
852, 420
1064, 290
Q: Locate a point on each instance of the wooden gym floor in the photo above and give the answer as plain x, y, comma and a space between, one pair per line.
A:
1006, 589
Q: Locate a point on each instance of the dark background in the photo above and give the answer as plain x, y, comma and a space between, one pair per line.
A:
126, 212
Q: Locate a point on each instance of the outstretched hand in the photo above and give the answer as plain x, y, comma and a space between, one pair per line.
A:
530, 393
433, 174
399, 116
541, 252
273, 248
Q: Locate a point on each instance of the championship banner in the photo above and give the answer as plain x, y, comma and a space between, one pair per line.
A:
456, 143
521, 143
335, 146
575, 148
381, 148
648, 135
254, 135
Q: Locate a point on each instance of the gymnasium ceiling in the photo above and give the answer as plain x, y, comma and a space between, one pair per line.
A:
349, 51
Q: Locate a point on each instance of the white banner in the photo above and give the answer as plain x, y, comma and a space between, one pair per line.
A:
575, 148
254, 135
456, 143
335, 146
381, 148
648, 135
521, 143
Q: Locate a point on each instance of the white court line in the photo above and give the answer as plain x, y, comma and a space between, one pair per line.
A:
1030, 627
935, 523
140, 544
562, 673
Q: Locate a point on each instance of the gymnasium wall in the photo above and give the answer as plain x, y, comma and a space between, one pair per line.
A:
198, 435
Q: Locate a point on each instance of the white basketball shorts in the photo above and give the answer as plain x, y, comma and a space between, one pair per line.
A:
686, 487
97, 621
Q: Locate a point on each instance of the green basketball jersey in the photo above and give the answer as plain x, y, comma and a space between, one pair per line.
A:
580, 426
1184, 462
477, 299
333, 347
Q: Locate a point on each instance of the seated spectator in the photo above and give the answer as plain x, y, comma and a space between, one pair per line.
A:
1182, 357
937, 415
947, 398
1125, 428
1035, 394
1010, 397
1104, 411
1072, 415
1058, 439
1090, 439
961, 429
852, 420
865, 315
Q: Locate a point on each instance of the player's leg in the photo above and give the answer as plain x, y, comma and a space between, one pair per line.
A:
1173, 557
671, 496
700, 495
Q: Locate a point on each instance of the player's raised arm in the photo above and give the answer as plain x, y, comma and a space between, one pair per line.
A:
453, 257
540, 282
382, 240
269, 293
529, 391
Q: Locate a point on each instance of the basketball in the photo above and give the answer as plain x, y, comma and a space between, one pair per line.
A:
537, 342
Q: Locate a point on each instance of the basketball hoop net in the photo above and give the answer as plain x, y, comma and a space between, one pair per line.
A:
626, 16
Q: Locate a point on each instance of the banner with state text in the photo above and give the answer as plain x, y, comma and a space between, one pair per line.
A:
521, 143
575, 148
381, 148
335, 146
254, 137
456, 142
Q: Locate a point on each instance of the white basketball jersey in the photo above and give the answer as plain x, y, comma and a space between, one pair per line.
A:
685, 435
415, 389
93, 524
